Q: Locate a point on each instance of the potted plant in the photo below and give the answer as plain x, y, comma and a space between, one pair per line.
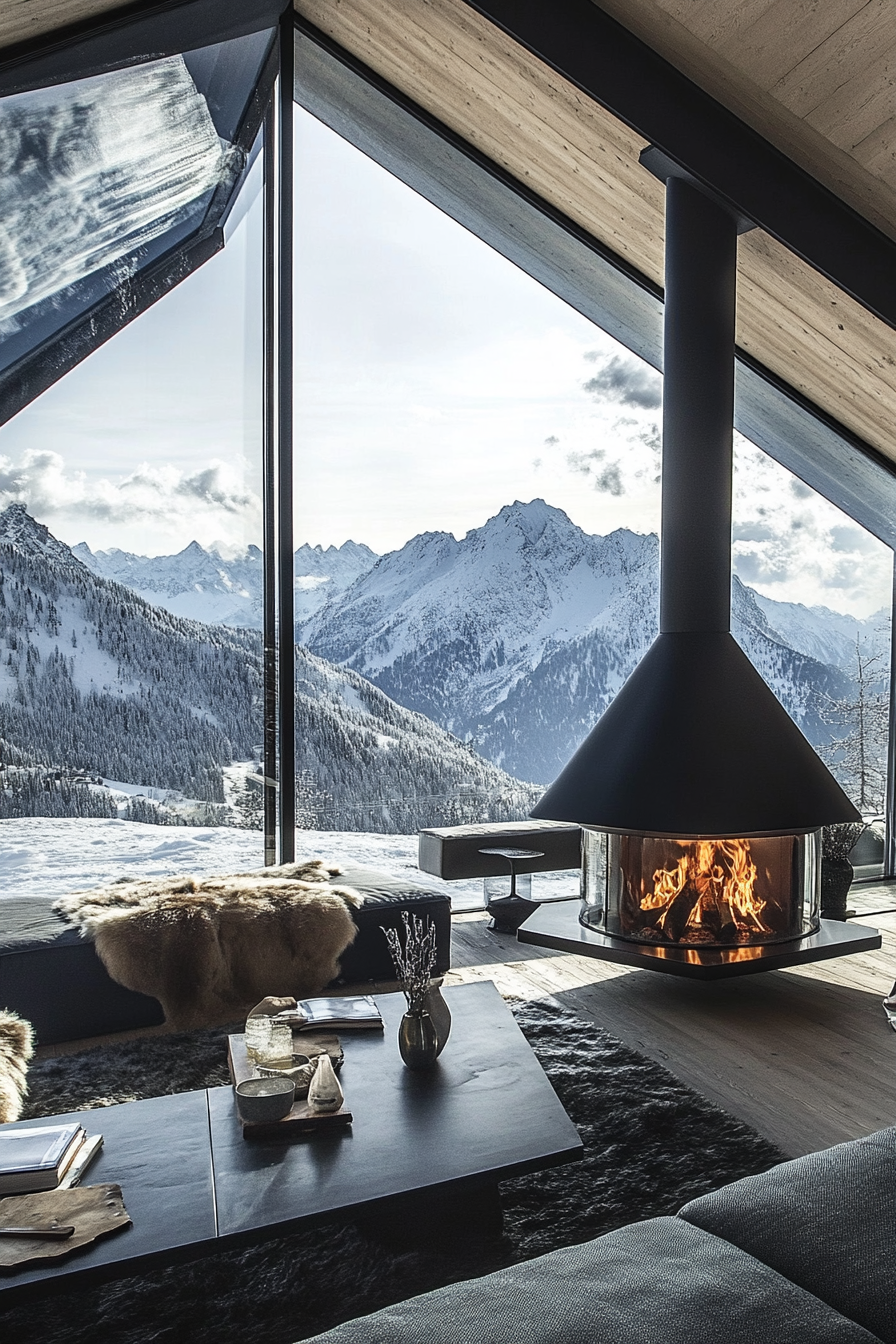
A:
837, 842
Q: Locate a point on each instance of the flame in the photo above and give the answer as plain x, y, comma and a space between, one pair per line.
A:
719, 878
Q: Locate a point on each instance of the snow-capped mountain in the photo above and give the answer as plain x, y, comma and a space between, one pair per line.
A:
829, 636
95, 679
202, 585
518, 637
98, 683
450, 626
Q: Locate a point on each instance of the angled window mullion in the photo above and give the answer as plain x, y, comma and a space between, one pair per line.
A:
890, 792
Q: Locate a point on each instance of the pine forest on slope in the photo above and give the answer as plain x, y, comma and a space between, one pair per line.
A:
511, 640
97, 683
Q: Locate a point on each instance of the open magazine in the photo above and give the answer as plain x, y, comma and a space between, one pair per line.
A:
355, 1010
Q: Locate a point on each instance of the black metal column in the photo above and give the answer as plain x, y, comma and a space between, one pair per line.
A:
269, 491
890, 799
698, 412
285, 545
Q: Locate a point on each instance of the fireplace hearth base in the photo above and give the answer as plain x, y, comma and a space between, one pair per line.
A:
556, 924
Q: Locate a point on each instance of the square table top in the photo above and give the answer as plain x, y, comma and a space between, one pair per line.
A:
192, 1184
158, 1152
485, 1111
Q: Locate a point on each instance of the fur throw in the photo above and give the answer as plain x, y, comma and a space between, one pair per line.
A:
16, 1048
208, 948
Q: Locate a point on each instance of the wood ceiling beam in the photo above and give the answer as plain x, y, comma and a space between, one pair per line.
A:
647, 93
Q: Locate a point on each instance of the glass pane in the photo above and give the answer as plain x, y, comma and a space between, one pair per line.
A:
130, 594
477, 507
476, 494
812, 607
104, 176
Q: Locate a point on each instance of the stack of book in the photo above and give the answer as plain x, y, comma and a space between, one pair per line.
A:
46, 1157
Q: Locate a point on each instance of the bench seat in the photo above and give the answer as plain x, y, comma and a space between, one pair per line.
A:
54, 978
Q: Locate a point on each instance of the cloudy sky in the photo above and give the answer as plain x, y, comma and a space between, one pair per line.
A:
435, 383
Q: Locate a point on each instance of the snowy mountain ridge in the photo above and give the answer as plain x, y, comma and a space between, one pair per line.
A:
517, 637
205, 586
513, 639
96, 682
829, 636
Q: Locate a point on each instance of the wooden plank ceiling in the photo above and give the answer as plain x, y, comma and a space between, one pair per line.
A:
23, 20
541, 129
815, 77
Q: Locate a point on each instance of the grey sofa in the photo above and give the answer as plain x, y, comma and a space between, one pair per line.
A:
54, 978
803, 1254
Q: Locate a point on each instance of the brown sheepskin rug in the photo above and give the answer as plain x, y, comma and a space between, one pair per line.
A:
16, 1048
208, 948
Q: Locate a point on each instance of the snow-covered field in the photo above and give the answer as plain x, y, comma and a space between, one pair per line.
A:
52, 856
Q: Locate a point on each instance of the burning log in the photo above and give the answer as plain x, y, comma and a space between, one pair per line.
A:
707, 896
679, 912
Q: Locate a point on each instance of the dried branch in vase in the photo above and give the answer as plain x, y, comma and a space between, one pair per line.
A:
837, 840
414, 960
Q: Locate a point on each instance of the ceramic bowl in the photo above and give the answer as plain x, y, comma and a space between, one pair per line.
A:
262, 1101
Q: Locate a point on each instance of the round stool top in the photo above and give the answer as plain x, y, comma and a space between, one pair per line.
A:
515, 853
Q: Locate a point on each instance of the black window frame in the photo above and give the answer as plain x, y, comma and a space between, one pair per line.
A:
425, 154
307, 67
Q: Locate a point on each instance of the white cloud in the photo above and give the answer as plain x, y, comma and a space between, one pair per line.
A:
794, 546
156, 500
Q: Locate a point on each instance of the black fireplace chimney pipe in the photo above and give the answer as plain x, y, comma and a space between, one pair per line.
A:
695, 744
698, 411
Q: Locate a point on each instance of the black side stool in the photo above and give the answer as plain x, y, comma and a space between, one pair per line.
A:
508, 912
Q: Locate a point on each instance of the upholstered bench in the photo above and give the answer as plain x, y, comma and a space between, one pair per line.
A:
54, 978
455, 852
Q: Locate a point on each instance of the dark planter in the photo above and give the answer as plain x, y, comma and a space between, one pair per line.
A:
836, 878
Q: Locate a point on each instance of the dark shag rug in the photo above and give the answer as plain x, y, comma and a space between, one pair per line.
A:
651, 1144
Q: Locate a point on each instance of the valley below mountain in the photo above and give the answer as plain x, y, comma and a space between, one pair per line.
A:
444, 682
99, 686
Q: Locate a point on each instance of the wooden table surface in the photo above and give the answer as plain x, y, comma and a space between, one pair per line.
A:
193, 1185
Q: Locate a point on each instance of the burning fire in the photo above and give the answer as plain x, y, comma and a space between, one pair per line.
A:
708, 896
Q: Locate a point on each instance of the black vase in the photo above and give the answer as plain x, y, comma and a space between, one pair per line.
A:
418, 1043
836, 878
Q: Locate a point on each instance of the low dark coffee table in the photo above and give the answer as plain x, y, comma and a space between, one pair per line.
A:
193, 1185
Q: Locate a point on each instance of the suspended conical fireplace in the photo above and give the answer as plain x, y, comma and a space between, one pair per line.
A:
701, 801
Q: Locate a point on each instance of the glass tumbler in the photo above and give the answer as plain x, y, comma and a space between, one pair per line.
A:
257, 1035
275, 1052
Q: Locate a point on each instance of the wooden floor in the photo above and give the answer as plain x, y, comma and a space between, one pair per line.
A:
805, 1056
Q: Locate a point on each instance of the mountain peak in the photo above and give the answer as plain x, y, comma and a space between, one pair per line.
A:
29, 536
532, 519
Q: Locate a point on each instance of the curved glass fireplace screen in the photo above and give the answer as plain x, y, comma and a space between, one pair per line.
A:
701, 893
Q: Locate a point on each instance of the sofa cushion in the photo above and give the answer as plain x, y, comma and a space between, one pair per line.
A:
826, 1221
52, 977
658, 1282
